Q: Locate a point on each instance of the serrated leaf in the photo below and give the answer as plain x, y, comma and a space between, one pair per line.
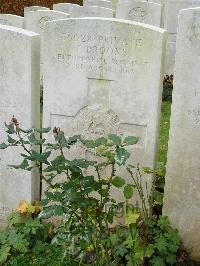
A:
121, 156
118, 181
42, 158
130, 140
128, 191
3, 146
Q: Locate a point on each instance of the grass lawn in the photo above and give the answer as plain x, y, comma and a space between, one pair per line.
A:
164, 132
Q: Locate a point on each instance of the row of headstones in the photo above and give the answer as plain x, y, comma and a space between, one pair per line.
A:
160, 13
94, 84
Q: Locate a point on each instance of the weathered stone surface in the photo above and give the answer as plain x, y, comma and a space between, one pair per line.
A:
72, 9
100, 3
140, 11
170, 58
94, 85
96, 11
182, 194
34, 8
19, 96
36, 21
12, 20
172, 8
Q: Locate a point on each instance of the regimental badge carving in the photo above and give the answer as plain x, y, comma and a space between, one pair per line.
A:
137, 14
42, 23
88, 122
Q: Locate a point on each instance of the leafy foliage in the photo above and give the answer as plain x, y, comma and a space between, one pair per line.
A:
85, 203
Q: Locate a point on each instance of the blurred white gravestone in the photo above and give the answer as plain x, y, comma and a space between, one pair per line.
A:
170, 58
182, 183
12, 20
94, 85
96, 11
34, 8
140, 11
36, 21
19, 96
170, 17
100, 3
72, 9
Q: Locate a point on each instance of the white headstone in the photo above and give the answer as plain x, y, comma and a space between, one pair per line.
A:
96, 11
140, 11
172, 8
170, 58
182, 188
100, 3
36, 21
19, 96
94, 80
12, 20
72, 9
34, 8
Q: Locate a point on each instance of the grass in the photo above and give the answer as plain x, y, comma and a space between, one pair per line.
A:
164, 132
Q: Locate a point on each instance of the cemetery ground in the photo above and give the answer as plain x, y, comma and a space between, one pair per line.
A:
144, 240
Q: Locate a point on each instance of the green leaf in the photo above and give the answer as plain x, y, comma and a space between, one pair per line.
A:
72, 140
118, 181
42, 158
132, 215
4, 253
130, 140
54, 210
44, 130
100, 141
121, 156
158, 197
90, 144
11, 140
3, 146
128, 191
33, 140
10, 129
149, 250
115, 139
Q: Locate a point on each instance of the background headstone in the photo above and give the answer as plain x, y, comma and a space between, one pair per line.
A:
34, 8
170, 58
12, 20
100, 3
72, 9
170, 18
19, 96
140, 11
182, 183
96, 11
36, 21
94, 85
